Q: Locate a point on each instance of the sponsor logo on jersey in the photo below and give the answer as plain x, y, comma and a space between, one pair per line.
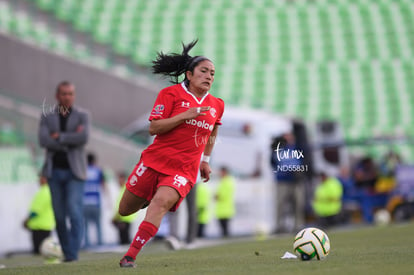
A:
179, 181
133, 180
213, 112
138, 173
185, 104
201, 124
158, 110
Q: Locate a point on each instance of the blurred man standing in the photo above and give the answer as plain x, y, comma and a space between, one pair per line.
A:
225, 208
64, 132
40, 220
290, 189
202, 204
327, 202
94, 186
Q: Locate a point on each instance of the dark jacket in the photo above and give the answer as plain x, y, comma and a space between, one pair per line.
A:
70, 141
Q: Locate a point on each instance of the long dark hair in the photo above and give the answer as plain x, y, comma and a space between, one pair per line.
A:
173, 65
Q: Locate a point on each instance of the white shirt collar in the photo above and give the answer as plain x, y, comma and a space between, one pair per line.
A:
195, 98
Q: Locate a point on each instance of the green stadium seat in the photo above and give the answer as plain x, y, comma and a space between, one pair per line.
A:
17, 165
6, 16
66, 10
46, 4
9, 135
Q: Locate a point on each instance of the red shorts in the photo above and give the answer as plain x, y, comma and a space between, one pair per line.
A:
145, 181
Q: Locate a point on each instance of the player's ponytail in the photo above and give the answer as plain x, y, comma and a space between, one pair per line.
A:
173, 65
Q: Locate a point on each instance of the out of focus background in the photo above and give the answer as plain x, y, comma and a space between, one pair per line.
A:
338, 75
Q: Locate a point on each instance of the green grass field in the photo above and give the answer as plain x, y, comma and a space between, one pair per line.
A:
371, 250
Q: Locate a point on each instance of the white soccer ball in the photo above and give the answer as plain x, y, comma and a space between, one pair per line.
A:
311, 243
382, 217
50, 248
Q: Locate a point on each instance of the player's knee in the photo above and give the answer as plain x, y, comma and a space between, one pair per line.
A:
161, 204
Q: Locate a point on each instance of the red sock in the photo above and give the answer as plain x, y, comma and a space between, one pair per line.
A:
145, 232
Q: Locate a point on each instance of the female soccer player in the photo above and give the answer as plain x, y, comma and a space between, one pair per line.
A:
184, 119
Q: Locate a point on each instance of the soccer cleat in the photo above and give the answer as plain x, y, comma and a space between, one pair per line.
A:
127, 261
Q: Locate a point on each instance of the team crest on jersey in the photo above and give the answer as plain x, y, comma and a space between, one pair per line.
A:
158, 110
185, 104
213, 112
179, 181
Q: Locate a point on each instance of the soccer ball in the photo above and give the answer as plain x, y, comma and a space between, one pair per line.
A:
382, 217
311, 243
50, 249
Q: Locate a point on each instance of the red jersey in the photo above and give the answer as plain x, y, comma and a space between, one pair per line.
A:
179, 150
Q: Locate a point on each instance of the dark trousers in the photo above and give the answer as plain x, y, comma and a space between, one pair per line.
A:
38, 236
224, 224
200, 230
192, 215
192, 218
123, 231
328, 221
92, 215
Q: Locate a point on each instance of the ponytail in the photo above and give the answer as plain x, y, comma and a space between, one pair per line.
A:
173, 65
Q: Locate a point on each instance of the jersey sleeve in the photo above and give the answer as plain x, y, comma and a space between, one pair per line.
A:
163, 105
221, 111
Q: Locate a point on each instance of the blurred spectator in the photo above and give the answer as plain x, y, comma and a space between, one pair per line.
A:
191, 215
94, 186
173, 220
350, 192
203, 197
327, 202
351, 196
366, 179
225, 205
387, 168
366, 174
40, 220
389, 163
64, 132
122, 223
290, 189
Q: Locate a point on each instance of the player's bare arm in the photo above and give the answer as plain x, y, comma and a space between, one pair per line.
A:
162, 126
205, 169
